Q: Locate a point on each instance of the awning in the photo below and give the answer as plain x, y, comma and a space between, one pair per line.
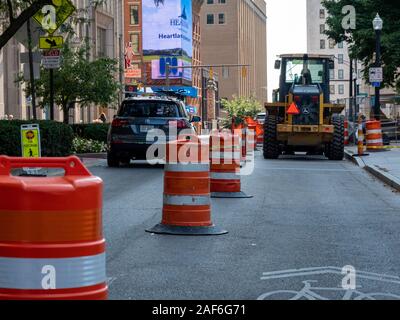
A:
185, 91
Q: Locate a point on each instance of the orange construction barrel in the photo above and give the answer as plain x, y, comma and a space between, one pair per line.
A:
51, 238
186, 199
225, 154
374, 136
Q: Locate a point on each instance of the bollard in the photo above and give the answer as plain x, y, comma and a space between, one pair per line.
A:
51, 238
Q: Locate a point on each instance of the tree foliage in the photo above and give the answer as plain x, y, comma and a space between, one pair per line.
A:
238, 109
361, 40
79, 81
14, 14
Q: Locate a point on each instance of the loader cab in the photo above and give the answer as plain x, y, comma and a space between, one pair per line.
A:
306, 71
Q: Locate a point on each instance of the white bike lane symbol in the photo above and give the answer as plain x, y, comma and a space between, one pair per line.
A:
310, 291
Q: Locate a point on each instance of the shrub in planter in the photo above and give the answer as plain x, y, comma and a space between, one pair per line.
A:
56, 138
80, 146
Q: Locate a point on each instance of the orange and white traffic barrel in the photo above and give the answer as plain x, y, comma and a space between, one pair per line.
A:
225, 154
187, 198
346, 133
251, 137
260, 133
51, 239
374, 136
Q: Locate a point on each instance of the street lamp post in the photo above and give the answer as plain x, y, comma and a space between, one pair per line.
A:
378, 25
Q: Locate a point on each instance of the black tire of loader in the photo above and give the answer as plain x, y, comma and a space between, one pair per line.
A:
271, 146
335, 150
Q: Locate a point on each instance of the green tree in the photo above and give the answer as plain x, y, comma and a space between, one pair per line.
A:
238, 109
79, 81
14, 14
361, 40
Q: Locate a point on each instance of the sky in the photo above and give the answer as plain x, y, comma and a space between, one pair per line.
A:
286, 32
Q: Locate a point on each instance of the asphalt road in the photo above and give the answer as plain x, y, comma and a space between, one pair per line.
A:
308, 215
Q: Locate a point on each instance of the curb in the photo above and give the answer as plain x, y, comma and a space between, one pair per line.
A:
384, 176
356, 160
92, 155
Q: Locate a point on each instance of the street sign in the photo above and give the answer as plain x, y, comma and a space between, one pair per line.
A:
376, 84
293, 109
51, 17
51, 59
375, 75
51, 42
30, 141
133, 73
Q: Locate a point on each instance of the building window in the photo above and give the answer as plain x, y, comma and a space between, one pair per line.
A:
321, 28
101, 42
340, 45
322, 44
340, 58
331, 74
134, 39
134, 10
210, 19
221, 18
225, 72
322, 13
341, 74
210, 1
332, 89
221, 1
332, 44
341, 88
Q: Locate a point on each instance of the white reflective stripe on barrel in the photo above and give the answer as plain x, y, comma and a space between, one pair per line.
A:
374, 141
374, 132
65, 273
226, 155
190, 167
224, 176
187, 200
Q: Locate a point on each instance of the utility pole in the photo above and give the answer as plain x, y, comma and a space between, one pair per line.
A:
356, 89
31, 72
378, 25
51, 94
377, 108
351, 112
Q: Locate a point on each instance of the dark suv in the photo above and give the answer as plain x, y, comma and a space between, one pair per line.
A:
136, 118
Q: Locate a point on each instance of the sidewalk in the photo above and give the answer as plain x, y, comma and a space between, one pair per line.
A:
384, 165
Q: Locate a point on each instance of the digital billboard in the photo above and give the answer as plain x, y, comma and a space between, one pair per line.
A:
167, 36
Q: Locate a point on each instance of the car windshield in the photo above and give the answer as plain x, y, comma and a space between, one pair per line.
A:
149, 109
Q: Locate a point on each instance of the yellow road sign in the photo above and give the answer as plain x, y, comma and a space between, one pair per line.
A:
51, 42
51, 17
30, 139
